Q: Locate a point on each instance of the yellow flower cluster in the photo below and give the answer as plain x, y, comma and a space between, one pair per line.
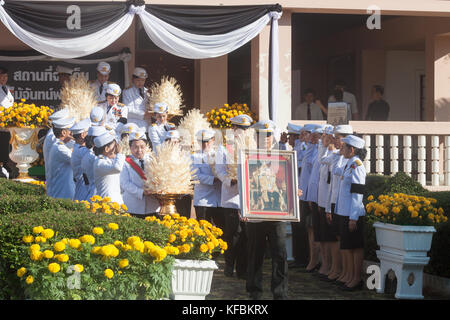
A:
37, 183
220, 117
24, 115
404, 209
104, 205
192, 238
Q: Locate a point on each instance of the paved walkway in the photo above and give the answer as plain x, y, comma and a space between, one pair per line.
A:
302, 286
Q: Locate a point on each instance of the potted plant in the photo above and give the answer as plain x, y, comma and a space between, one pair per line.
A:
404, 226
24, 122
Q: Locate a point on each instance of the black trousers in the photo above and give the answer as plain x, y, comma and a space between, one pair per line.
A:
273, 233
300, 246
183, 206
215, 215
235, 235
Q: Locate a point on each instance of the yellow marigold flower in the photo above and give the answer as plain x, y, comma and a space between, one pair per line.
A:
430, 216
106, 251
210, 245
62, 257
118, 244
186, 248
124, 207
97, 231
139, 246
28, 239
78, 268
29, 280
109, 273
396, 210
48, 233
21, 272
133, 239
123, 263
370, 198
414, 214
440, 211
54, 267
48, 254
411, 209
40, 239
36, 255
203, 248
172, 238
113, 226
59, 246
87, 239
74, 243
35, 247
107, 199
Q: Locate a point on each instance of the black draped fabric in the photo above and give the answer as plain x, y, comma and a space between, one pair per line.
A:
49, 18
209, 20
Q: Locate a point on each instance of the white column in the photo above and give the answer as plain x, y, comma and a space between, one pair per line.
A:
367, 159
407, 143
435, 160
447, 161
422, 163
379, 140
394, 154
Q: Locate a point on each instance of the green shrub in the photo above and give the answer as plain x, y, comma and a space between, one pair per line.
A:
402, 183
375, 185
10, 187
440, 254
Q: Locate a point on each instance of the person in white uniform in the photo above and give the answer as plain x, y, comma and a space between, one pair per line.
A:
234, 233
207, 192
101, 83
350, 207
115, 111
61, 174
107, 166
140, 202
157, 131
87, 163
97, 116
79, 132
135, 98
6, 97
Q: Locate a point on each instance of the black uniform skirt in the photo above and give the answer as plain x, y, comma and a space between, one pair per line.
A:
335, 220
354, 239
325, 231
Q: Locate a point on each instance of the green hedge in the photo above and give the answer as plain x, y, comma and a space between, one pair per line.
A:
401, 183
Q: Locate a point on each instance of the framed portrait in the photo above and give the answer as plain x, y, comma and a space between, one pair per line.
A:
268, 185
337, 113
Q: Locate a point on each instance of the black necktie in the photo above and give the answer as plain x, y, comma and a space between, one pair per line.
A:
309, 112
109, 108
141, 92
5, 89
142, 164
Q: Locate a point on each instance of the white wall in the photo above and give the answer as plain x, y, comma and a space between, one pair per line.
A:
402, 87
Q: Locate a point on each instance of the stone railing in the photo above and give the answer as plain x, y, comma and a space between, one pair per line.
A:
420, 149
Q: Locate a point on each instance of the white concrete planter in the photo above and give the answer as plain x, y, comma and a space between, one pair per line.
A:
403, 249
191, 279
23, 142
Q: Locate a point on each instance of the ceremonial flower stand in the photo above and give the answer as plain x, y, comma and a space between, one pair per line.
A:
23, 142
191, 279
403, 249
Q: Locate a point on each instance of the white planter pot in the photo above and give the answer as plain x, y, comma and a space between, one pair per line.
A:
403, 249
23, 141
191, 279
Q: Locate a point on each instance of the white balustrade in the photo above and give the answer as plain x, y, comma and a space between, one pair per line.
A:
407, 144
367, 159
379, 142
394, 154
435, 160
422, 157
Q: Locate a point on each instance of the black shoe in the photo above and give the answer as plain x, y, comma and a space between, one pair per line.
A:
323, 277
315, 268
296, 265
358, 287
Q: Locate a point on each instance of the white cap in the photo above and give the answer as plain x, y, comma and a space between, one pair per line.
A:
172, 134
265, 126
141, 73
129, 127
97, 115
113, 89
104, 68
318, 129
242, 120
354, 141
137, 135
344, 129
60, 114
65, 70
309, 127
205, 135
105, 138
81, 126
293, 128
96, 131
160, 107
329, 129
64, 123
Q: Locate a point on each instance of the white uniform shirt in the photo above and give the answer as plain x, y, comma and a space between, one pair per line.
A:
6, 98
81, 189
49, 141
157, 134
309, 158
113, 114
229, 197
350, 198
132, 186
101, 94
87, 167
207, 192
62, 185
324, 179
313, 184
337, 164
107, 177
136, 105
